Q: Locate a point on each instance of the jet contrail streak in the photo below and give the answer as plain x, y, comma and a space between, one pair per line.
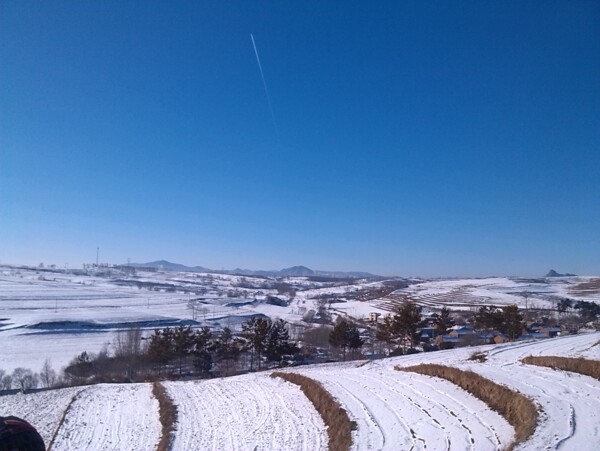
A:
264, 83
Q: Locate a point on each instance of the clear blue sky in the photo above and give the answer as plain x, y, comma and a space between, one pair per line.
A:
410, 138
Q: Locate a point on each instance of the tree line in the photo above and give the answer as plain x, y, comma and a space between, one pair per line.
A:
186, 352
264, 343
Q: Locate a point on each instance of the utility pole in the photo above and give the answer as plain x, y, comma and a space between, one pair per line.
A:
97, 254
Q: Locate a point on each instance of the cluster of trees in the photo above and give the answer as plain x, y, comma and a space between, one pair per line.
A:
24, 379
589, 311
263, 338
185, 351
507, 320
576, 314
400, 329
345, 335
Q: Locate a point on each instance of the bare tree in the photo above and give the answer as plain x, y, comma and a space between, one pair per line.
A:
197, 308
203, 310
192, 306
5, 380
24, 379
128, 350
128, 342
47, 374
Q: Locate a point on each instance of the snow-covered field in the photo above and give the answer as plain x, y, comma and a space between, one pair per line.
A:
57, 315
252, 412
569, 402
396, 410
466, 293
393, 410
101, 417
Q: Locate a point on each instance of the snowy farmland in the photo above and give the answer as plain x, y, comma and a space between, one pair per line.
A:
393, 410
57, 314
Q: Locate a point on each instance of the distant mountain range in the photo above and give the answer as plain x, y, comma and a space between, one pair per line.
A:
294, 271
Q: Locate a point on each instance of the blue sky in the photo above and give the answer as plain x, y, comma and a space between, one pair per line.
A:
410, 138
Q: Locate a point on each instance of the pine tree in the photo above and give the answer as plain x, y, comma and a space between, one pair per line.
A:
406, 322
256, 332
345, 335
227, 348
160, 347
385, 331
201, 350
443, 322
278, 343
512, 321
183, 340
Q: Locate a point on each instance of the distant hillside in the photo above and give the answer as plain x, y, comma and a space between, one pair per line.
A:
297, 271
553, 273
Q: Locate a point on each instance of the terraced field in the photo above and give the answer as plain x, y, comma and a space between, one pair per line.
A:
392, 410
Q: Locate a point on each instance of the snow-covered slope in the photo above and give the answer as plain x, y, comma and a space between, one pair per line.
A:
396, 410
393, 410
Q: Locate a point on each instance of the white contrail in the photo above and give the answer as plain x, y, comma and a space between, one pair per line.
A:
264, 83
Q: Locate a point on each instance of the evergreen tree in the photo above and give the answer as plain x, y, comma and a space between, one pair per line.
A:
385, 331
488, 318
564, 304
183, 341
345, 335
443, 322
202, 345
160, 347
278, 344
80, 369
588, 311
354, 340
406, 322
227, 348
512, 322
256, 332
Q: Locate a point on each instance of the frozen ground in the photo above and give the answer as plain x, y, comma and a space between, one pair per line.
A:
393, 410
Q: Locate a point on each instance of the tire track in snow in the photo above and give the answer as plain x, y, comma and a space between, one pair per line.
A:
419, 409
374, 428
462, 406
382, 400
394, 418
250, 412
108, 417
480, 434
563, 396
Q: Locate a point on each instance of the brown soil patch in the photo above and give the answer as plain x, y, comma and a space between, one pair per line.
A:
168, 416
